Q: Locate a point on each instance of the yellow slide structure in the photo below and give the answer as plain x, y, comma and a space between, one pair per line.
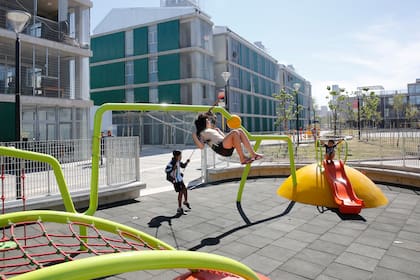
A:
313, 188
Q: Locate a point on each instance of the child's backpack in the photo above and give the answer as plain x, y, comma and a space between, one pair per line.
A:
169, 170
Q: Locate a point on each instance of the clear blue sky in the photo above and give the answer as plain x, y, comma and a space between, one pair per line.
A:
349, 43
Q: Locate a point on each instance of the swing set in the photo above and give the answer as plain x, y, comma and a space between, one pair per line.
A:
46, 244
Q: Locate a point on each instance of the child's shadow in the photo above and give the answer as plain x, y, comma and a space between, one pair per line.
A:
156, 222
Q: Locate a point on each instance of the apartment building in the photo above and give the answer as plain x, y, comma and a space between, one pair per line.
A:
158, 55
174, 54
54, 76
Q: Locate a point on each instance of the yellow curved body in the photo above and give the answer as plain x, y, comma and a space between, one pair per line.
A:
312, 188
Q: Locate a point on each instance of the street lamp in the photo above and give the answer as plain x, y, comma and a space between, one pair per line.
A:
226, 76
296, 86
18, 21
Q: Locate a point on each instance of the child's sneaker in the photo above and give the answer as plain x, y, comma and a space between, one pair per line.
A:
187, 204
180, 210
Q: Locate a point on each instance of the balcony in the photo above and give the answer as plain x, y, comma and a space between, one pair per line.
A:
45, 24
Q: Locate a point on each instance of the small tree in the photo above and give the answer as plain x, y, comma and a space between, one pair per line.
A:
411, 113
335, 99
370, 108
398, 106
285, 109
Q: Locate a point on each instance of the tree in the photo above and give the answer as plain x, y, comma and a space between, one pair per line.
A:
335, 99
411, 113
398, 106
370, 108
286, 108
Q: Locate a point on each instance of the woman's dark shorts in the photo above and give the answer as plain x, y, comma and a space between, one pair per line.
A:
219, 149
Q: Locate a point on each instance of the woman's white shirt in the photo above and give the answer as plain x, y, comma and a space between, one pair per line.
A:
211, 136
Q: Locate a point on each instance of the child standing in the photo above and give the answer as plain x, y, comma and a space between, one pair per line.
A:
174, 175
330, 149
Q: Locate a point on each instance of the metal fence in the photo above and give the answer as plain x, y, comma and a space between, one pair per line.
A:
28, 179
380, 148
119, 162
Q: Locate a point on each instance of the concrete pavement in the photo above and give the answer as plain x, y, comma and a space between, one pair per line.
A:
276, 237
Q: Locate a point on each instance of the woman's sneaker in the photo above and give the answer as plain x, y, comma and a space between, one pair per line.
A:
180, 210
187, 205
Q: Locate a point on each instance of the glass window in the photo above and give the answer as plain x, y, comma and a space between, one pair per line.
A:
65, 131
28, 115
65, 114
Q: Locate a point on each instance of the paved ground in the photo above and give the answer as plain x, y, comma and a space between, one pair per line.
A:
274, 236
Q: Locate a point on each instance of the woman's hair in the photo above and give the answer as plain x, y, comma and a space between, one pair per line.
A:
200, 123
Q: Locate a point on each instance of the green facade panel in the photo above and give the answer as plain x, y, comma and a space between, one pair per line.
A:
141, 71
111, 96
141, 42
7, 112
169, 67
107, 75
141, 95
168, 35
108, 47
170, 94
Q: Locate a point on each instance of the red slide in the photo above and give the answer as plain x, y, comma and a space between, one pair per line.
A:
344, 196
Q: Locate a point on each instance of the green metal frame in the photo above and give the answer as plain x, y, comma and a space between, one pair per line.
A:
93, 204
111, 264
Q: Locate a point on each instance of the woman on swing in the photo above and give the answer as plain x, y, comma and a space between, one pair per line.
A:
224, 145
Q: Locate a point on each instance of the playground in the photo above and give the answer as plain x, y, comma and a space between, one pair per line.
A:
282, 241
279, 236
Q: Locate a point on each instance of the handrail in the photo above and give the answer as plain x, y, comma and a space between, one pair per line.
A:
93, 203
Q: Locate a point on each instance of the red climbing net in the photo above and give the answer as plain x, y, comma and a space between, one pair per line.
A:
32, 245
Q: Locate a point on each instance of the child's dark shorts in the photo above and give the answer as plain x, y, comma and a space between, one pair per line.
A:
178, 186
219, 149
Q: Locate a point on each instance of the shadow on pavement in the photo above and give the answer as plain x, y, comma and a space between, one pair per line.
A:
157, 221
216, 240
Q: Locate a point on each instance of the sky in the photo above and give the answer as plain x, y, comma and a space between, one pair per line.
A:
329, 42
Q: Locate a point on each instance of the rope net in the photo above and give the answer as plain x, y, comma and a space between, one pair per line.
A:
28, 246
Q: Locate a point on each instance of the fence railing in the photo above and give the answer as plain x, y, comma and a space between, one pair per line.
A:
119, 160
380, 148
23, 179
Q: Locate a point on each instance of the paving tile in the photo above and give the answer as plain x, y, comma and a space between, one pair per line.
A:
261, 263
365, 250
290, 244
338, 238
404, 253
327, 246
376, 238
412, 236
317, 257
284, 275
401, 265
302, 268
345, 272
302, 236
386, 274
357, 261
279, 254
